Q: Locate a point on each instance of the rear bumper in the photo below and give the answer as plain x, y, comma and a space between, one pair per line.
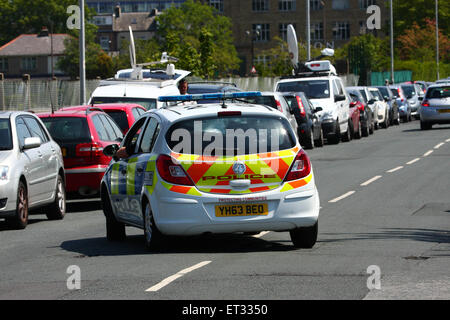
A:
84, 180
432, 115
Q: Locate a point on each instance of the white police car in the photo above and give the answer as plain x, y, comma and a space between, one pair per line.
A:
213, 168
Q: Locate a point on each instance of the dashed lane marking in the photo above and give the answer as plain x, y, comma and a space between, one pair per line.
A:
370, 181
342, 197
170, 279
395, 169
426, 154
439, 145
413, 161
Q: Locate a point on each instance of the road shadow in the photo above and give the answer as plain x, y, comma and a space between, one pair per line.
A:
134, 245
83, 206
436, 127
4, 226
423, 235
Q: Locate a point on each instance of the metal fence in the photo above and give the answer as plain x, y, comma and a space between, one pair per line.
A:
41, 95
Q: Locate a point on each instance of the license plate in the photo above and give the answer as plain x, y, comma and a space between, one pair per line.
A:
444, 111
242, 210
64, 152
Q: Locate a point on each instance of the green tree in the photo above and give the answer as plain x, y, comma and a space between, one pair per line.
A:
181, 29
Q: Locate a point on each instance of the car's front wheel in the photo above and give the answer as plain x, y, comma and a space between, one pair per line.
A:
20, 221
319, 142
305, 237
57, 210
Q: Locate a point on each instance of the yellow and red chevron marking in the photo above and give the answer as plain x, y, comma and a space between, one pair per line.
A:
265, 168
296, 183
181, 189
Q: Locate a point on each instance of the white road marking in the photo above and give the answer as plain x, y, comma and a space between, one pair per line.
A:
439, 145
370, 181
170, 279
395, 169
428, 153
448, 140
259, 235
342, 197
413, 161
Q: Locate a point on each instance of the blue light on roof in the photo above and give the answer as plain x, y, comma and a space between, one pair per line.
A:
210, 96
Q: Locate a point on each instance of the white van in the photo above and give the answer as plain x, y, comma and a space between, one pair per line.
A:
145, 92
324, 89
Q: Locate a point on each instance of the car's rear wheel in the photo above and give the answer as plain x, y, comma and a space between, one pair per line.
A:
319, 142
152, 235
348, 135
57, 210
359, 134
115, 230
425, 125
304, 237
309, 140
20, 221
335, 137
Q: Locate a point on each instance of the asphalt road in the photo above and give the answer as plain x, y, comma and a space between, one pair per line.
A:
385, 203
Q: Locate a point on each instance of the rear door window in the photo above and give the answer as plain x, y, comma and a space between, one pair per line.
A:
117, 131
100, 128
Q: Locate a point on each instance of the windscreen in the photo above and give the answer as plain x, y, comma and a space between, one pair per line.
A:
5, 135
395, 93
68, 129
230, 136
313, 89
384, 92
146, 103
376, 94
120, 118
438, 93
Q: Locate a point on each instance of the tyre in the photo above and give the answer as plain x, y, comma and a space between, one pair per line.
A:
372, 127
20, 221
115, 230
425, 125
57, 210
309, 140
365, 129
348, 135
397, 121
152, 236
319, 142
335, 138
376, 126
358, 134
304, 237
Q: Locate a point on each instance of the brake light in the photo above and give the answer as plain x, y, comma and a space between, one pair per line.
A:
315, 65
301, 107
400, 94
301, 167
229, 113
360, 106
89, 150
279, 106
171, 171
425, 103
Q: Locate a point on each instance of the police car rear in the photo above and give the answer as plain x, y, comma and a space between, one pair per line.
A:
214, 168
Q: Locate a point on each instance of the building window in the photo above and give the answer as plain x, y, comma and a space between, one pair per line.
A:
4, 64
261, 32
105, 7
28, 64
340, 4
262, 59
286, 5
218, 4
317, 31
260, 5
283, 30
364, 4
341, 30
316, 5
104, 43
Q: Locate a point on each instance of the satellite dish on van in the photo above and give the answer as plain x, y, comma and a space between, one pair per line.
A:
292, 44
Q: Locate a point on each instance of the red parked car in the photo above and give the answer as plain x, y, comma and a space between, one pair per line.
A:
354, 120
124, 114
82, 133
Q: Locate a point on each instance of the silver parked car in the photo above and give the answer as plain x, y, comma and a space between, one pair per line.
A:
31, 170
436, 106
414, 95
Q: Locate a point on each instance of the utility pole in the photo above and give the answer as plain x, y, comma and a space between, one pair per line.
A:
392, 44
437, 40
82, 56
308, 31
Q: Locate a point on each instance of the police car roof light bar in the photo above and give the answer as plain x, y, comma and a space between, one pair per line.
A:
210, 96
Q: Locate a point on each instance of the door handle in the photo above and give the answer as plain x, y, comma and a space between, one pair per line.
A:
39, 154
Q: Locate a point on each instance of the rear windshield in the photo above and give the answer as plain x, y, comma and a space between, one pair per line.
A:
313, 89
264, 100
68, 129
119, 117
5, 135
146, 103
230, 136
438, 93
409, 91
395, 93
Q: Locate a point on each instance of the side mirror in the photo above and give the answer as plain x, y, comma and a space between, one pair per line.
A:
31, 143
371, 101
386, 98
409, 97
339, 97
318, 109
110, 150
421, 98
